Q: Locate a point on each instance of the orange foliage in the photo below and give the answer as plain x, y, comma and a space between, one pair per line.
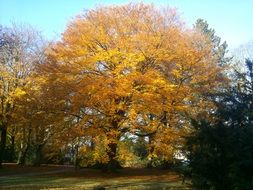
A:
131, 68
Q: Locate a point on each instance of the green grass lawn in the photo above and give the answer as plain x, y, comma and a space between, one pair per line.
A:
59, 177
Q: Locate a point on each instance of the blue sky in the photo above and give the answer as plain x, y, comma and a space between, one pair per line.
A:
232, 19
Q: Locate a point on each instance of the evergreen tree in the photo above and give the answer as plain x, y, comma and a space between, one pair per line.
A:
220, 152
219, 49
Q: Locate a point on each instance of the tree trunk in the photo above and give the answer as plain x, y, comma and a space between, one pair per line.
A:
12, 156
92, 145
3, 142
151, 152
76, 159
38, 155
113, 164
22, 156
23, 153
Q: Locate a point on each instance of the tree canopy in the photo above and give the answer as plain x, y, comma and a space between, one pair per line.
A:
130, 69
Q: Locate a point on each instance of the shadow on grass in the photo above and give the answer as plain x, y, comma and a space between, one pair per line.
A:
147, 186
73, 183
62, 178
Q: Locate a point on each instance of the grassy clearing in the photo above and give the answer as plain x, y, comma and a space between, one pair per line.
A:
59, 178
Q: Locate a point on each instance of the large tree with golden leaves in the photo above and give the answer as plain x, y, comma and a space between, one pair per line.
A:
131, 69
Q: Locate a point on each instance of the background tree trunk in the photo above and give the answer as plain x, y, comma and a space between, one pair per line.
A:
22, 156
151, 151
38, 155
3, 143
23, 153
12, 156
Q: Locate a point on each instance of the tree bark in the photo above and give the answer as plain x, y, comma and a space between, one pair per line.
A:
76, 159
12, 156
23, 153
113, 164
38, 155
3, 142
151, 152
